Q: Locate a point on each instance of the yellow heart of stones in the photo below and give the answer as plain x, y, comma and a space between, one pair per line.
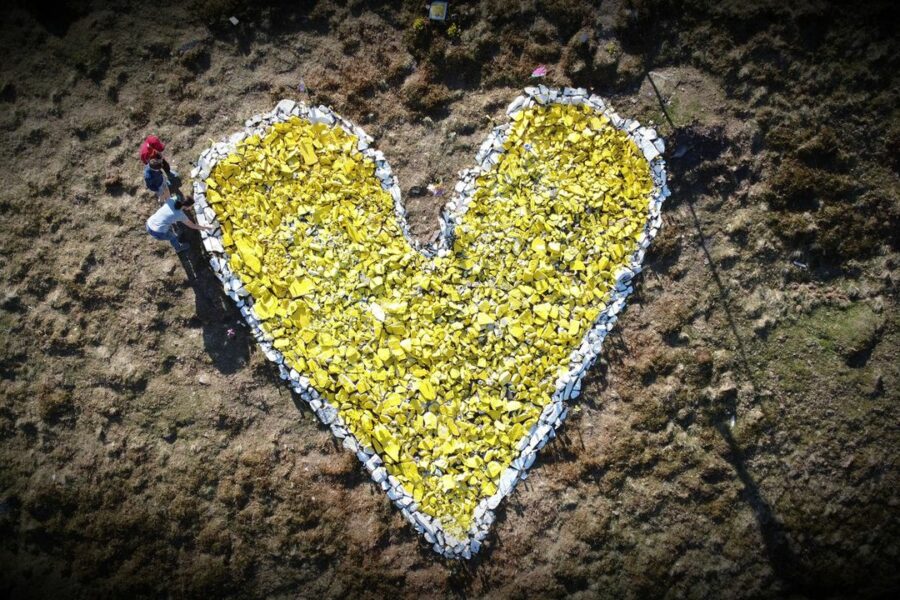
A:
445, 369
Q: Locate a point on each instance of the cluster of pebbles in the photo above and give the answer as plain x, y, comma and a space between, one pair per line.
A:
568, 386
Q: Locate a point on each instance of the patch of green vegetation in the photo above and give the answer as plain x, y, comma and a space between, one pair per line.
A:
846, 332
684, 111
831, 345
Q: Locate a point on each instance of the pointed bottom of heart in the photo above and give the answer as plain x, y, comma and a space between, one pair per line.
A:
239, 263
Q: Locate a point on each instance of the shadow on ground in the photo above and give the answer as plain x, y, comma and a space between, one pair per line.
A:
225, 338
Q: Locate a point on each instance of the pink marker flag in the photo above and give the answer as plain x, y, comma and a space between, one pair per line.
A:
540, 71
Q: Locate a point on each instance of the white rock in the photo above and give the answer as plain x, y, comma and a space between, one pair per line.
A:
327, 414
660, 144
424, 521
350, 444
285, 107
649, 150
516, 105
320, 115
212, 244
648, 133
508, 480
373, 462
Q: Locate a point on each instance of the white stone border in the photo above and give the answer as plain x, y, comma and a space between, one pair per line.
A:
568, 386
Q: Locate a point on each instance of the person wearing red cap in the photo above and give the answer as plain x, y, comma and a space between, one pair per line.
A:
151, 155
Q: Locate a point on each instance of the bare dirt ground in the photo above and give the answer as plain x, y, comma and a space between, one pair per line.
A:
740, 438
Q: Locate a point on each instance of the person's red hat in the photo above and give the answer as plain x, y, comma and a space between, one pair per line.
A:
150, 148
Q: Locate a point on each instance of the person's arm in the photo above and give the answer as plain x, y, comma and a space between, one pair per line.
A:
187, 221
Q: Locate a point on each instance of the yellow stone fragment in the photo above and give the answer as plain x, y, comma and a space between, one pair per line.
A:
543, 310
484, 319
427, 390
302, 287
308, 152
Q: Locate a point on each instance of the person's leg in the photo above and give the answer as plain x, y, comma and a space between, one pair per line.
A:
173, 239
169, 236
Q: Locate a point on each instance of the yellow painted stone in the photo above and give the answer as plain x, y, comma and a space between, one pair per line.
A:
442, 365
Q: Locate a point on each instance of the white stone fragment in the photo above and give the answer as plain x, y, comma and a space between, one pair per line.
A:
320, 115
285, 107
373, 462
508, 480
327, 414
650, 151
660, 145
212, 244
516, 105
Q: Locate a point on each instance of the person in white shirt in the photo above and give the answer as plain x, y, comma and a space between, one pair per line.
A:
161, 223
